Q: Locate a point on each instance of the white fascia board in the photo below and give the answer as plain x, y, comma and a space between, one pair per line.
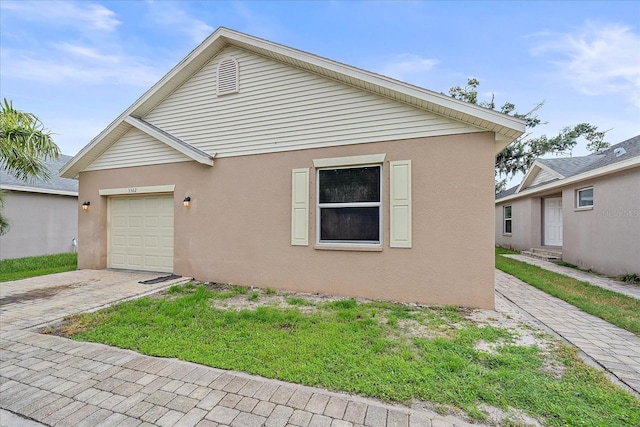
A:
533, 172
596, 173
186, 149
38, 190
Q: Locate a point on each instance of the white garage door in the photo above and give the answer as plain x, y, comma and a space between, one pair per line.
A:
141, 233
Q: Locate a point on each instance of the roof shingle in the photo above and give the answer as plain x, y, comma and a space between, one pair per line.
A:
56, 183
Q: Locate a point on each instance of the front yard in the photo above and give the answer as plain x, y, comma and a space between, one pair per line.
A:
488, 365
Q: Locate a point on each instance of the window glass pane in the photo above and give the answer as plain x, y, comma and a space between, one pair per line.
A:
350, 224
507, 212
507, 226
585, 197
350, 185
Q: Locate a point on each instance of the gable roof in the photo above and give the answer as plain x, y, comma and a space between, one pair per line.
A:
56, 185
618, 157
505, 127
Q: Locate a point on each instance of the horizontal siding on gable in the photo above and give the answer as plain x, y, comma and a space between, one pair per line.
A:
543, 176
281, 108
136, 148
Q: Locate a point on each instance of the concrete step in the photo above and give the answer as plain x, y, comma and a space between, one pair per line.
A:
546, 254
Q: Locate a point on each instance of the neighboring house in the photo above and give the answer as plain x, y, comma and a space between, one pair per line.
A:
327, 178
588, 208
43, 214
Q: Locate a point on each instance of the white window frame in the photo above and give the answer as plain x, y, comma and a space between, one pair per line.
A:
505, 219
579, 192
363, 244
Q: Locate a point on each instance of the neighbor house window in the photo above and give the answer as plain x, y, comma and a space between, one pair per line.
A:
349, 205
584, 198
507, 220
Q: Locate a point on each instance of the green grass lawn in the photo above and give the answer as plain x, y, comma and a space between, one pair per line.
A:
618, 309
21, 268
389, 351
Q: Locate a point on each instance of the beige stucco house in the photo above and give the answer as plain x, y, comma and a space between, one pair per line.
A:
587, 208
254, 163
43, 214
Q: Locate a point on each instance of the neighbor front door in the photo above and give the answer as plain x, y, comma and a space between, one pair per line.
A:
553, 221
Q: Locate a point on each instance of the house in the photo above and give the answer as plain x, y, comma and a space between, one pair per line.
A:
43, 214
254, 163
587, 209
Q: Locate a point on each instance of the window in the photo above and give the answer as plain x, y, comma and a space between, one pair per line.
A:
584, 198
507, 220
349, 205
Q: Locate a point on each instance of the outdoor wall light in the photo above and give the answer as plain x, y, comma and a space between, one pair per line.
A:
85, 205
187, 201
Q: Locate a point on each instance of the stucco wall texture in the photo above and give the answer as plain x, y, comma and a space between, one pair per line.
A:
238, 227
40, 224
605, 238
526, 228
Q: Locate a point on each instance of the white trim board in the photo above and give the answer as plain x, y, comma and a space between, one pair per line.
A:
132, 191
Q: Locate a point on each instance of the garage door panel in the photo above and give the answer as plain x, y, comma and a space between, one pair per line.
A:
167, 243
152, 203
134, 262
151, 242
134, 222
151, 222
118, 260
141, 232
119, 221
134, 241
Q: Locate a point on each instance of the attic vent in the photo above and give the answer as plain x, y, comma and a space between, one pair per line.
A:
619, 151
228, 76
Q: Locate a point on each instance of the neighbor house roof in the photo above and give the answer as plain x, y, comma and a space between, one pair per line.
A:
505, 127
547, 174
55, 185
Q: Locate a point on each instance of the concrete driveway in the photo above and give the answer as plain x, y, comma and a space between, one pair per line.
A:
60, 382
39, 301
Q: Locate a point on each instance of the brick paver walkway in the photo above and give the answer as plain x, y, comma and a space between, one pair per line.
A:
60, 382
614, 349
603, 282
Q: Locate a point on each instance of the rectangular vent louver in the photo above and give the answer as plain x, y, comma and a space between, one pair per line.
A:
228, 76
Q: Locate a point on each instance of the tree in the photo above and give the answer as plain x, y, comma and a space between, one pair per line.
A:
521, 153
24, 146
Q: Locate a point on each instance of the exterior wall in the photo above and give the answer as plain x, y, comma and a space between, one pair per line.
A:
238, 227
41, 224
526, 224
606, 238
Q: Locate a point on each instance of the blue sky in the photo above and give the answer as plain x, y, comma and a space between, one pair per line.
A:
78, 65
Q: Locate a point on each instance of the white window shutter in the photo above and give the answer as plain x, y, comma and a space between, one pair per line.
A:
300, 207
400, 211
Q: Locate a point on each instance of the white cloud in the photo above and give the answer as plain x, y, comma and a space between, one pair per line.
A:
597, 59
78, 64
407, 67
88, 16
170, 14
